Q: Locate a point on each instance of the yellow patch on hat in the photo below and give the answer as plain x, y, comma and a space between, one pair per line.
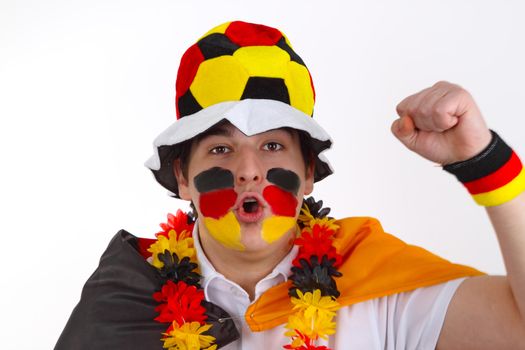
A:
219, 79
263, 61
300, 91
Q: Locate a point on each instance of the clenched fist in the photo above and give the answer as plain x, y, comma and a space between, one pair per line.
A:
441, 123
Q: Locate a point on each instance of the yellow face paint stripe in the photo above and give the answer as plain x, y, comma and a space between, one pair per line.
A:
225, 230
275, 227
504, 193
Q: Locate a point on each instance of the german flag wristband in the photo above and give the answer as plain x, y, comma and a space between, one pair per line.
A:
494, 176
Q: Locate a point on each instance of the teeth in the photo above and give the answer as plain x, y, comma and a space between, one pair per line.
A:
250, 205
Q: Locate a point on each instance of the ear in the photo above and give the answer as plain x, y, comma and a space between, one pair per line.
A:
182, 182
309, 179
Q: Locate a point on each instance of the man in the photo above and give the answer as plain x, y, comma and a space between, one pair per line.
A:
272, 272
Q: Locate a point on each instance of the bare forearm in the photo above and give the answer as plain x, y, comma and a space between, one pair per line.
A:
443, 124
508, 220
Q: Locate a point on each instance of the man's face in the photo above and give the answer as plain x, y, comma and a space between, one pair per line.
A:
247, 189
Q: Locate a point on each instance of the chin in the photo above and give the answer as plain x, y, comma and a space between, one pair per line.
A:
251, 237
253, 241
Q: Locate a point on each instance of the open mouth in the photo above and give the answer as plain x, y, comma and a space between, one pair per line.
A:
250, 205
250, 209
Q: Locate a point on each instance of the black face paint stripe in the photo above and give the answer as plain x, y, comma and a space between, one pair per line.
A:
213, 179
285, 179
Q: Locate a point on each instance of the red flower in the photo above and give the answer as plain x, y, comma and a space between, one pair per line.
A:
178, 222
307, 343
318, 242
180, 302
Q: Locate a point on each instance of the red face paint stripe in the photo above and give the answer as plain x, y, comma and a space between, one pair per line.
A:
216, 204
281, 202
497, 179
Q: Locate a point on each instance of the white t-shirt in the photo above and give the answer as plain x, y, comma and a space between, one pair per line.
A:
410, 320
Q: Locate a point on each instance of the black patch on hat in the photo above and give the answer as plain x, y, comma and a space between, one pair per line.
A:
293, 56
215, 45
213, 179
266, 88
285, 179
188, 104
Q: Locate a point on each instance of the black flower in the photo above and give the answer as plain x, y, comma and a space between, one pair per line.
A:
176, 270
316, 207
192, 214
313, 275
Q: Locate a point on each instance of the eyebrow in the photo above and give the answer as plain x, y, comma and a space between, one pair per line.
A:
216, 130
221, 129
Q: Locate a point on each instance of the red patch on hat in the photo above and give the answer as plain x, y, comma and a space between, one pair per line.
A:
311, 83
216, 204
249, 34
189, 64
282, 202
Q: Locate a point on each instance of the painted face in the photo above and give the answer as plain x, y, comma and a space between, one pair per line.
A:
247, 189
281, 197
218, 199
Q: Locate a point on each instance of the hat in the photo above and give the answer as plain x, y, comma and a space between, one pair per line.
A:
249, 75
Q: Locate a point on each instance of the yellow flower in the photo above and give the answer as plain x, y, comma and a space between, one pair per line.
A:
181, 244
308, 220
298, 323
328, 223
305, 217
189, 337
320, 326
314, 315
313, 304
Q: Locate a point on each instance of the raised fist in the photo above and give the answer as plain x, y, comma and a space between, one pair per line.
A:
441, 123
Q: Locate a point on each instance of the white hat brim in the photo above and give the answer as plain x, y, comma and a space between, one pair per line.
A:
250, 116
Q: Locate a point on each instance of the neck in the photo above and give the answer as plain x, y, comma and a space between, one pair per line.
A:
245, 268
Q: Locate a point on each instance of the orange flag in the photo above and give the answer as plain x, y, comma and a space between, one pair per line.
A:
375, 264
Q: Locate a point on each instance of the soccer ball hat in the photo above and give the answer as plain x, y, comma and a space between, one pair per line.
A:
249, 75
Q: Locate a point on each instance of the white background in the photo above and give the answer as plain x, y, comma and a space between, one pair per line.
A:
86, 86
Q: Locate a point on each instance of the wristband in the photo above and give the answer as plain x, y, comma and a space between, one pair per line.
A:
494, 176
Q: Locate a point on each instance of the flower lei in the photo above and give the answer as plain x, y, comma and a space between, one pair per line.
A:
313, 292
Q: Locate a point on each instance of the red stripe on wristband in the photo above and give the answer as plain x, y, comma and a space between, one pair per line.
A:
497, 179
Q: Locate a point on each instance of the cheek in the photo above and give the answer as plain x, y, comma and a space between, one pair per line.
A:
282, 203
217, 203
285, 179
275, 227
216, 199
213, 179
217, 196
226, 231
281, 197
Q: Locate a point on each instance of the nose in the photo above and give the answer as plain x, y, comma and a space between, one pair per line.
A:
249, 168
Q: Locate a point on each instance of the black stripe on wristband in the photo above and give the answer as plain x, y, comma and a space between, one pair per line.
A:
493, 157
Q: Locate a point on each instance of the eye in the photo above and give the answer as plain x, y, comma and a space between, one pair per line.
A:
220, 150
273, 146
